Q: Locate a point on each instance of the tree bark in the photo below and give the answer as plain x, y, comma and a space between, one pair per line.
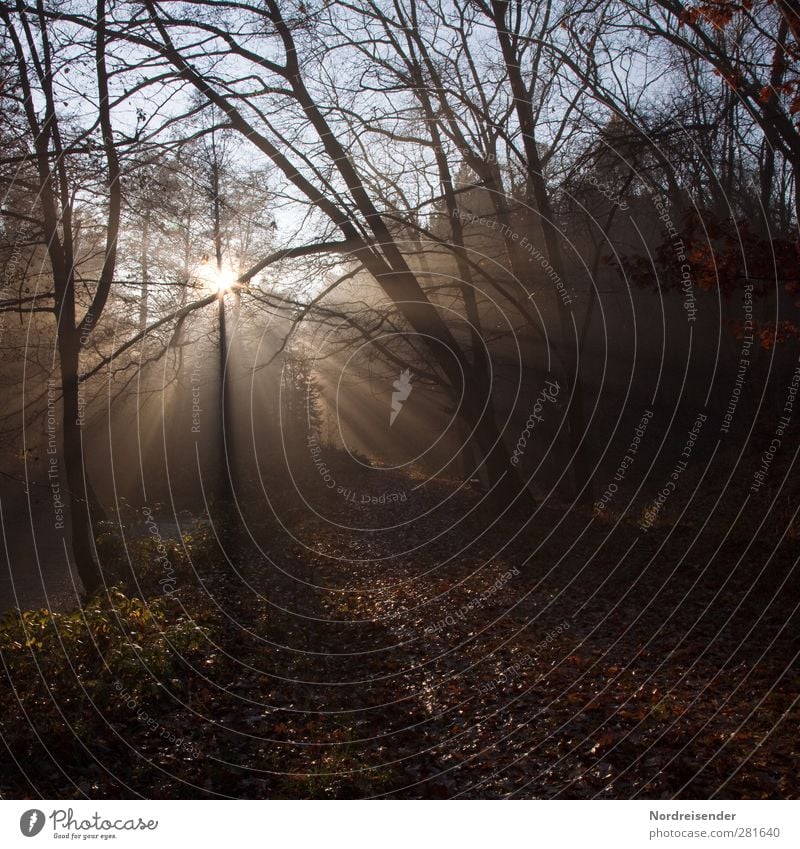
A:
582, 485
77, 484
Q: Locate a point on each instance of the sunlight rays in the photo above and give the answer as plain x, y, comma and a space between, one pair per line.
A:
216, 280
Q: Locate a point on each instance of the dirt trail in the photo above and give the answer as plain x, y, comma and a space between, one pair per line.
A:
350, 656
493, 676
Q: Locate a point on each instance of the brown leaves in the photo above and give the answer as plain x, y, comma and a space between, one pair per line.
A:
602, 742
719, 13
488, 708
724, 255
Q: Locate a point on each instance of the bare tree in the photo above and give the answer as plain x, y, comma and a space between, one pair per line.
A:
58, 170
330, 182
755, 50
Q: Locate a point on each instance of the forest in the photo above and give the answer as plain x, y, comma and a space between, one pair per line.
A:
400, 399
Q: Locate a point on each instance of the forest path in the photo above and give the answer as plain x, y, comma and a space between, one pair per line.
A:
340, 661
495, 674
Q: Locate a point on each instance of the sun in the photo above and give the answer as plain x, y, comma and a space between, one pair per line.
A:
217, 280
222, 281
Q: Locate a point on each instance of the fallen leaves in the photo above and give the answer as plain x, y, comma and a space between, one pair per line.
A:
334, 688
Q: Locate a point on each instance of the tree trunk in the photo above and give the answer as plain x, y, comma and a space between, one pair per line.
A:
145, 264
80, 514
575, 418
